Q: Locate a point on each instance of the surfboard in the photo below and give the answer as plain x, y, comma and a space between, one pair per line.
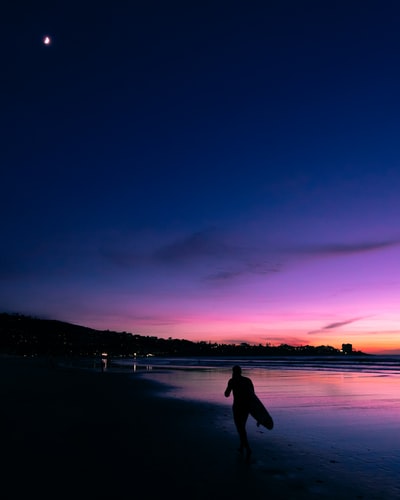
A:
260, 413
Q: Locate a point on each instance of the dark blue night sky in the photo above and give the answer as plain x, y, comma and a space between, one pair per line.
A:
221, 171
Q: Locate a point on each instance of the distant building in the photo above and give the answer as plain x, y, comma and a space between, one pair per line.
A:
347, 348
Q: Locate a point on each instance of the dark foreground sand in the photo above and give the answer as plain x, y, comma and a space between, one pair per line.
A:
81, 434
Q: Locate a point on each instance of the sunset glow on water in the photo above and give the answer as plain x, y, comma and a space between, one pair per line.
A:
353, 403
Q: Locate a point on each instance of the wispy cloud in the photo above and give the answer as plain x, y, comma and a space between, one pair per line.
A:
143, 250
223, 259
218, 257
228, 275
217, 245
223, 276
348, 248
337, 324
193, 246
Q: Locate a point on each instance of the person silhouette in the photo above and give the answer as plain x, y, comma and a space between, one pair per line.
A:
242, 389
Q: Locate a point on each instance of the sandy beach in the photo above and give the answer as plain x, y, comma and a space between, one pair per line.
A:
71, 433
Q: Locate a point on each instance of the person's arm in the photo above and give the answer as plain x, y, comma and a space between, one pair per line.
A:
228, 390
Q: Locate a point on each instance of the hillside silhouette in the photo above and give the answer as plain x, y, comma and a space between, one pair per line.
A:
31, 336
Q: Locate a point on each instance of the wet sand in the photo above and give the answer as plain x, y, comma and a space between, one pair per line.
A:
69, 433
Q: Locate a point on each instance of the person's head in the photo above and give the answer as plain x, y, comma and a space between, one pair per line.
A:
236, 371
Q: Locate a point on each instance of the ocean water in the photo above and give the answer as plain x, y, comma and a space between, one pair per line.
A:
352, 401
368, 384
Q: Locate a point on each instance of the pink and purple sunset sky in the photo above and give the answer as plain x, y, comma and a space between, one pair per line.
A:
228, 174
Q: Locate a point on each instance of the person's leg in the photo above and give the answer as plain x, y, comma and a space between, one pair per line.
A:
240, 419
